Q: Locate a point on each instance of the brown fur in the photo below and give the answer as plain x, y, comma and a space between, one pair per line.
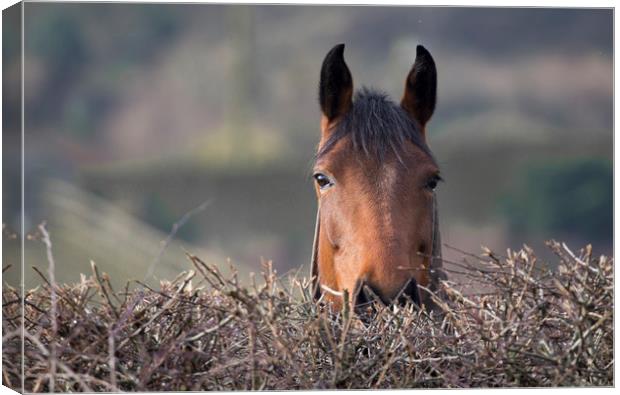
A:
376, 221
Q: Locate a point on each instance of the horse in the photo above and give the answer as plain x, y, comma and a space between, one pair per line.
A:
376, 235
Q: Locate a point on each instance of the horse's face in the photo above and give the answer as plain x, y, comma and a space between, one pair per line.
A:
376, 219
375, 180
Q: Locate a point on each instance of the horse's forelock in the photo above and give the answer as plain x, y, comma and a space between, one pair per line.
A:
377, 127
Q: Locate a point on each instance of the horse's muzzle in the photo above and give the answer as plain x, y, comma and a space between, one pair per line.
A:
365, 296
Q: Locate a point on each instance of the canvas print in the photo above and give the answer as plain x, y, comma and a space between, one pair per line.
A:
221, 197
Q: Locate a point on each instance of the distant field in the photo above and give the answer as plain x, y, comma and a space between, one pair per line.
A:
84, 228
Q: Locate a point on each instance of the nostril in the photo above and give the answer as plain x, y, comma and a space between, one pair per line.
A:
361, 298
410, 292
365, 298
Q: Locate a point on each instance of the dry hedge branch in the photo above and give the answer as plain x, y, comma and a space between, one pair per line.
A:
530, 327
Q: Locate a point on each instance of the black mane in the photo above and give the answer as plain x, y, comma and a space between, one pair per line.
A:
377, 127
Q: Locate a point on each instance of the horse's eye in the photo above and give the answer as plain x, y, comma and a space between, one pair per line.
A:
323, 181
432, 182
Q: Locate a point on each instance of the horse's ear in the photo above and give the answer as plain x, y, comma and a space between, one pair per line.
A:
421, 87
336, 84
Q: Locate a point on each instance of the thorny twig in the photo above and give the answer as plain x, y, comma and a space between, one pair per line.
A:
530, 327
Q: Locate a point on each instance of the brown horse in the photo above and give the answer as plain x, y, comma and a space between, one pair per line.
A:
377, 233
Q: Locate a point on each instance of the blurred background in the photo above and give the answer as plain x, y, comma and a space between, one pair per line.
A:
135, 114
